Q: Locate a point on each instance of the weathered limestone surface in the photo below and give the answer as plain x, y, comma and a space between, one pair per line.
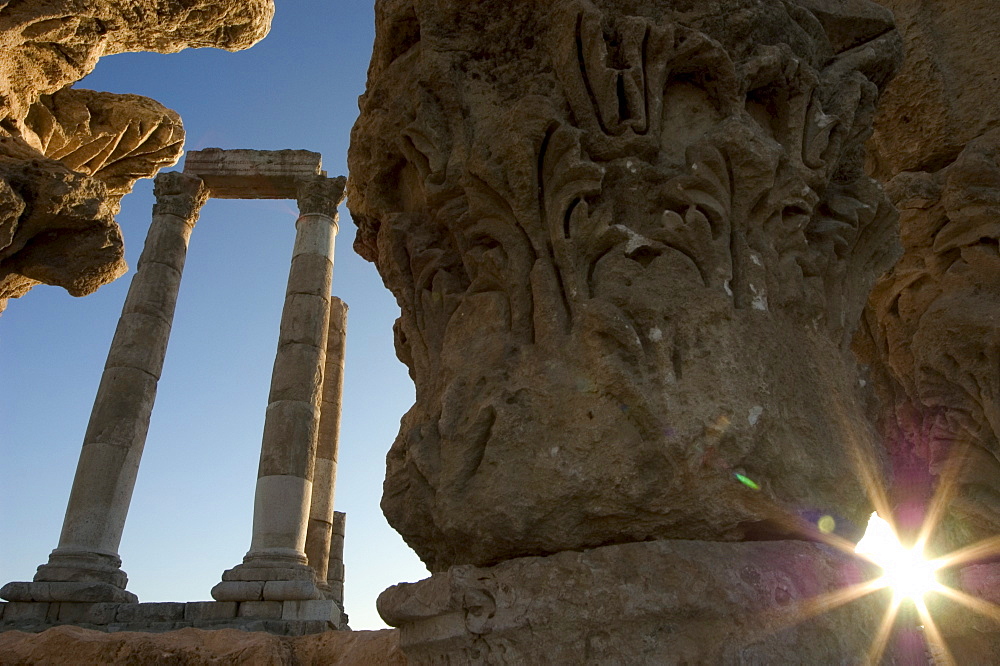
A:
946, 92
67, 156
70, 646
630, 243
253, 174
661, 602
932, 327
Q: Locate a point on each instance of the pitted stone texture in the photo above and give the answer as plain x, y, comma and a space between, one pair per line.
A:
931, 329
630, 244
932, 336
70, 646
253, 174
945, 94
643, 603
71, 154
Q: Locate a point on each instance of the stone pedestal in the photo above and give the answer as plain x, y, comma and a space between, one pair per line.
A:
656, 602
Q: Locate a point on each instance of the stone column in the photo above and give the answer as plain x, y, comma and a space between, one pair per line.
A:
321, 514
335, 568
86, 566
276, 567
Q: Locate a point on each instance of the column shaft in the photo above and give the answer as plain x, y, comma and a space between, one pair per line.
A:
87, 554
276, 567
321, 512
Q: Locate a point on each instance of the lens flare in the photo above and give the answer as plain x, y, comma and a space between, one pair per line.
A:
905, 570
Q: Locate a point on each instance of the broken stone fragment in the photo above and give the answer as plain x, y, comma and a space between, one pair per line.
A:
630, 247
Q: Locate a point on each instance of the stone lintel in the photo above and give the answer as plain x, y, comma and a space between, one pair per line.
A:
252, 174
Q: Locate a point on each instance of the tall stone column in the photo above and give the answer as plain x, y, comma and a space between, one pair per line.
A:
321, 513
276, 567
85, 566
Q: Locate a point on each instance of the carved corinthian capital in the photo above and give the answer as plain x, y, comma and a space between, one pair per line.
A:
630, 243
179, 194
320, 195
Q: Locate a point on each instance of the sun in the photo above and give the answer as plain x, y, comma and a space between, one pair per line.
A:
905, 570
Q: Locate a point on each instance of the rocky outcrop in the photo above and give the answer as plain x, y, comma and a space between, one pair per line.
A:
630, 243
73, 645
67, 156
932, 327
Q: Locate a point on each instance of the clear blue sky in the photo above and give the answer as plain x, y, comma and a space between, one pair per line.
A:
191, 512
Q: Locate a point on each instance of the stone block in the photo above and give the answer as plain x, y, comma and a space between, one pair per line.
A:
100, 613
304, 627
3, 607
237, 590
140, 342
76, 591
314, 236
304, 320
252, 174
209, 611
153, 291
152, 612
290, 590
699, 602
336, 571
295, 424
339, 523
249, 572
303, 276
30, 611
298, 372
315, 609
166, 243
260, 610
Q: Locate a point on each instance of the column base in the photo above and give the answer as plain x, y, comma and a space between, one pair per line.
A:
642, 603
82, 592
74, 576
269, 576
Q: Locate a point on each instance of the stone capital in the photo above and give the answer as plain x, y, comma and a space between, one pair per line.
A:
179, 194
319, 195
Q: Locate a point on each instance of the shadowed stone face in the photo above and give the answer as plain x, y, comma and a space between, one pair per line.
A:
629, 242
933, 337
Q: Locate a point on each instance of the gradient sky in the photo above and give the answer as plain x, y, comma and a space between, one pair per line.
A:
191, 512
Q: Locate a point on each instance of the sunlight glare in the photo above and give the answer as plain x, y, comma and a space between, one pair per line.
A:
905, 571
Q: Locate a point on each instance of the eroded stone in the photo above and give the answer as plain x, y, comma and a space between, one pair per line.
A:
614, 233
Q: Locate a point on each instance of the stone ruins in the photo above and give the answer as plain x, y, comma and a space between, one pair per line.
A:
67, 156
662, 209
687, 290
291, 580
